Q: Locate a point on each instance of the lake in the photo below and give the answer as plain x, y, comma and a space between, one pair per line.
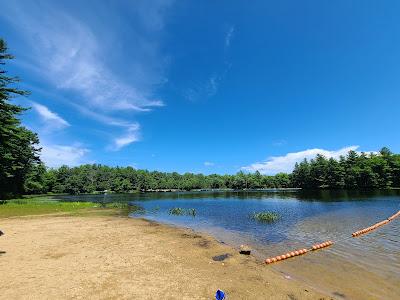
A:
366, 267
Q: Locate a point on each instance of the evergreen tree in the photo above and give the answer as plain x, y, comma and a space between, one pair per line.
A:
19, 152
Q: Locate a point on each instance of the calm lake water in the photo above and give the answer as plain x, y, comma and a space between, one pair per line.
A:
367, 267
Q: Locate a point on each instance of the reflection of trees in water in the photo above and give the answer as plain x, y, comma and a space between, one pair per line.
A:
344, 195
305, 195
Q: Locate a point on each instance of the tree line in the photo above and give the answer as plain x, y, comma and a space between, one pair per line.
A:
354, 171
22, 172
92, 178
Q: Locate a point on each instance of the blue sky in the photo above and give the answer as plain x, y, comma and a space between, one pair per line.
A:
206, 86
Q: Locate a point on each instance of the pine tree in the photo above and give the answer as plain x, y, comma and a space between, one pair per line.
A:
19, 152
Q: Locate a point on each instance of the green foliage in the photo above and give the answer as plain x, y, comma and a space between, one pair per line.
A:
18, 145
355, 171
96, 178
265, 217
42, 205
177, 211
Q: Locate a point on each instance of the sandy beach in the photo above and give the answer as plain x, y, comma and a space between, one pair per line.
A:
102, 257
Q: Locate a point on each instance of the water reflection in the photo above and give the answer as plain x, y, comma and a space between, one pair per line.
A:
306, 195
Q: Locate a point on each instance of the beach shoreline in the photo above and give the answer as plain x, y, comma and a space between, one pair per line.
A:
110, 257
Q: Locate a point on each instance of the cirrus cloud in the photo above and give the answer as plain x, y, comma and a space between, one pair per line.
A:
80, 56
49, 117
131, 136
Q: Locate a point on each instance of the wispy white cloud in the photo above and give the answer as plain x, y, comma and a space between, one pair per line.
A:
72, 54
50, 118
208, 87
229, 36
208, 164
57, 155
203, 89
285, 163
75, 64
131, 136
103, 118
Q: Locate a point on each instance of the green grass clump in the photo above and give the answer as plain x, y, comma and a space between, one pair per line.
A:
120, 205
177, 211
266, 217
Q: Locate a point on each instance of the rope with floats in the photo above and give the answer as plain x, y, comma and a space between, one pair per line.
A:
316, 247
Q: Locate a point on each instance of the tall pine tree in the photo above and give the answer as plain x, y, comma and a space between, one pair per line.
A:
19, 151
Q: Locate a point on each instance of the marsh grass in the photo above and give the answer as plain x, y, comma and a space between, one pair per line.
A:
266, 217
177, 211
48, 205
41, 205
121, 205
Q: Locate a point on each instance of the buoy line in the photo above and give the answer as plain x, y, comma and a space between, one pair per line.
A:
370, 228
329, 243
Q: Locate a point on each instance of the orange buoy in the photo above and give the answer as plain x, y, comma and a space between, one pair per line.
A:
329, 243
285, 256
322, 245
394, 216
370, 228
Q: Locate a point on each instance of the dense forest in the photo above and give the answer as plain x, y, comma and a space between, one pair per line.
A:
90, 178
354, 171
22, 172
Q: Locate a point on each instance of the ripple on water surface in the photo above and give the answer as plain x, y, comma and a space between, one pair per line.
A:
366, 267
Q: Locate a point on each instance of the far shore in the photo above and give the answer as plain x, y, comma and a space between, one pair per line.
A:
62, 256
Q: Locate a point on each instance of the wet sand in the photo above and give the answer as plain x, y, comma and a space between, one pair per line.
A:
64, 257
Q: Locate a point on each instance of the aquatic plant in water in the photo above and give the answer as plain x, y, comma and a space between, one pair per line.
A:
266, 217
116, 205
155, 209
177, 211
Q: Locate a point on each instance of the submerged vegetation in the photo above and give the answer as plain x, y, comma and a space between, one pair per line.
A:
177, 211
266, 217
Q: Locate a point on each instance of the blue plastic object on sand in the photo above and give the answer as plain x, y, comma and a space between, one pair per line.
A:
219, 295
